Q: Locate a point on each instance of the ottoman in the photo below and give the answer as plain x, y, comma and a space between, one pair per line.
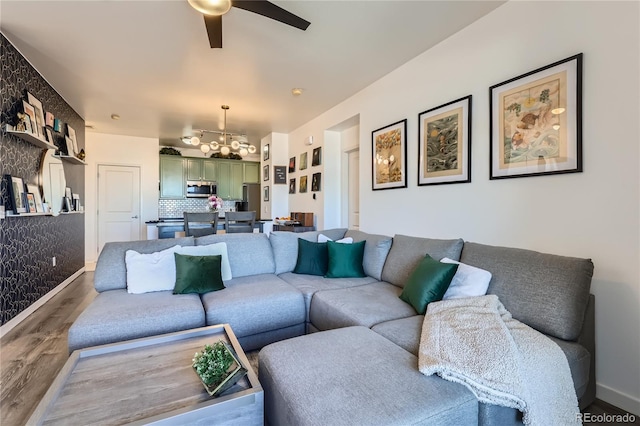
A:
353, 376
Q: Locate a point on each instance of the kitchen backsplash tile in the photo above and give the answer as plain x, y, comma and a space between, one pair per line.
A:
175, 208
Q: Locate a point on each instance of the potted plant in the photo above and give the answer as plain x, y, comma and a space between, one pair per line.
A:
217, 367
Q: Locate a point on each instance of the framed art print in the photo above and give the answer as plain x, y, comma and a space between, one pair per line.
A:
265, 153
303, 184
30, 112
265, 173
280, 175
444, 144
303, 161
389, 149
292, 186
316, 181
265, 195
536, 121
292, 164
316, 156
39, 112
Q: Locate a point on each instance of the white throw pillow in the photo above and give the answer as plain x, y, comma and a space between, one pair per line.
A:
468, 281
211, 250
323, 239
151, 272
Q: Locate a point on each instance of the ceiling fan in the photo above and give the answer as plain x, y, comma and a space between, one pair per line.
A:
214, 9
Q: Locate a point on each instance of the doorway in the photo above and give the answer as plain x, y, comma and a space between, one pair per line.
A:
353, 189
118, 204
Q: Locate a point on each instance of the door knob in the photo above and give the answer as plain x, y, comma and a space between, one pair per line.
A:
134, 217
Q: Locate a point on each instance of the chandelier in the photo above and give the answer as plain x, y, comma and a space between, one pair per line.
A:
228, 140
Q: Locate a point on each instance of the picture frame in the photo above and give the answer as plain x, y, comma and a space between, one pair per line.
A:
303, 184
72, 136
57, 125
69, 146
39, 112
265, 173
49, 135
536, 122
444, 143
31, 203
49, 119
265, 153
316, 181
292, 186
35, 190
67, 204
389, 156
16, 193
30, 113
303, 161
280, 175
265, 192
292, 164
316, 156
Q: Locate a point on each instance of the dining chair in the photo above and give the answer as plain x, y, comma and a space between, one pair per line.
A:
239, 222
200, 224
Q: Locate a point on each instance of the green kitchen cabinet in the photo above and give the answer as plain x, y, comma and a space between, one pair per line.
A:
201, 169
224, 179
172, 177
251, 173
237, 178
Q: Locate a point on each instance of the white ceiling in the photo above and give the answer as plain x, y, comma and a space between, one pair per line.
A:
149, 60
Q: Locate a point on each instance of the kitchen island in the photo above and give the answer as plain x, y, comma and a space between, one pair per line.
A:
167, 228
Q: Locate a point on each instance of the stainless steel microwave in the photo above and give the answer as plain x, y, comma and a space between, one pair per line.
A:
201, 189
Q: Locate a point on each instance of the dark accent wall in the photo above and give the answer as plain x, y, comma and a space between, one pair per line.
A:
28, 244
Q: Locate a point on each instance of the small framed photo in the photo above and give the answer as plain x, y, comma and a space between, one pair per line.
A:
292, 164
49, 119
315, 182
265, 173
37, 106
303, 161
303, 184
280, 175
35, 190
316, 158
30, 112
265, 153
72, 136
444, 145
389, 148
69, 145
16, 194
265, 191
49, 135
57, 125
536, 122
31, 202
67, 204
292, 186
67, 192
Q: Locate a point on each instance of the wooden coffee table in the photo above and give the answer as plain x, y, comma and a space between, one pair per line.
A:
146, 381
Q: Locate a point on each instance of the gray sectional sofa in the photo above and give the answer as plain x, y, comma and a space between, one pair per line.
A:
356, 362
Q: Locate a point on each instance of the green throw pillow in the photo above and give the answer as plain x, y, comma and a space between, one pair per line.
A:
312, 258
428, 283
345, 260
198, 274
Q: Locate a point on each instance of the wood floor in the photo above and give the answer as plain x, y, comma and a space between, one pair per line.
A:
32, 354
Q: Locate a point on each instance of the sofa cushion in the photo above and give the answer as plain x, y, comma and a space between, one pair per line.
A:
116, 315
579, 361
309, 284
375, 251
111, 270
211, 250
427, 283
404, 332
255, 304
545, 291
354, 376
285, 246
313, 258
406, 252
160, 265
365, 305
249, 254
345, 260
198, 274
469, 281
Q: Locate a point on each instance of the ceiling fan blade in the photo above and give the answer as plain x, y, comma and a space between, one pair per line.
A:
270, 10
214, 30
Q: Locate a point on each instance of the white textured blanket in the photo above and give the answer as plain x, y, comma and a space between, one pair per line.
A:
475, 341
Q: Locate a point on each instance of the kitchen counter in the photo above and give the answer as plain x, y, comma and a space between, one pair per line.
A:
167, 228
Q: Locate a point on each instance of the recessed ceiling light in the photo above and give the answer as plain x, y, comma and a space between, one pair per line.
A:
115, 117
296, 91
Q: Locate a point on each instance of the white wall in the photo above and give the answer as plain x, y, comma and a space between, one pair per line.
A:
593, 214
120, 150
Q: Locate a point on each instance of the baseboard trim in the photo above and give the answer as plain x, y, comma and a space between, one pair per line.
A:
618, 399
31, 309
90, 266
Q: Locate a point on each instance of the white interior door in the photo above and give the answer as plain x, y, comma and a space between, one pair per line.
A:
353, 162
118, 204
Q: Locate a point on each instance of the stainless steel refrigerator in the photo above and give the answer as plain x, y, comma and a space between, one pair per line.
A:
251, 198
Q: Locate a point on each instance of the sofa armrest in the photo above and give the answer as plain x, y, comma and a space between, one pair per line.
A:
587, 339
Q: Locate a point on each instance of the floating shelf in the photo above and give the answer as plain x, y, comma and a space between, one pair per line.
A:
28, 214
29, 137
71, 159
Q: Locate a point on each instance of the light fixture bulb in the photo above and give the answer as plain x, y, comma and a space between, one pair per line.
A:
214, 145
211, 7
195, 141
252, 149
186, 140
296, 91
386, 162
205, 148
225, 150
392, 158
556, 126
244, 152
557, 111
235, 144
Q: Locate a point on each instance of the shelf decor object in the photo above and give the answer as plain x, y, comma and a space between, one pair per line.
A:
444, 144
389, 147
536, 122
